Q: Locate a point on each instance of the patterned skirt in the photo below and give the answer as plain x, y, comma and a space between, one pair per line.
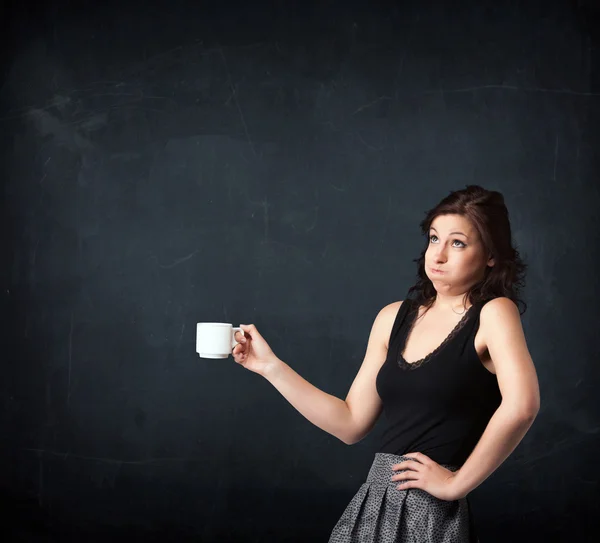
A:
380, 513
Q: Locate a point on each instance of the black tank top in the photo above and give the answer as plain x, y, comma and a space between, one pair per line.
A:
441, 404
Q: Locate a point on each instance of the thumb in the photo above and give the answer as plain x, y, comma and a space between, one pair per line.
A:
250, 328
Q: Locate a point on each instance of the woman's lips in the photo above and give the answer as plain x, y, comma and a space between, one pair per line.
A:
434, 270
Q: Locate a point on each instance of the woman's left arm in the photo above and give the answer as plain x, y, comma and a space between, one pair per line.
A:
518, 383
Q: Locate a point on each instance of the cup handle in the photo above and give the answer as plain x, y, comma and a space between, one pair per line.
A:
233, 331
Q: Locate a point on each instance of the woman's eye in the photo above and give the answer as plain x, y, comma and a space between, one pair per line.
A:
454, 241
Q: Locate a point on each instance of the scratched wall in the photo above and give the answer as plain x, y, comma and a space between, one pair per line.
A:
172, 163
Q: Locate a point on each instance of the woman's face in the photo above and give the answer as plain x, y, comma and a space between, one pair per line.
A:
455, 248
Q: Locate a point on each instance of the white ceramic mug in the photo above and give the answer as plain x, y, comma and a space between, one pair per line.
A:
215, 339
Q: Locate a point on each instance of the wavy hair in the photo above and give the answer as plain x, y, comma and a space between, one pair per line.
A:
487, 212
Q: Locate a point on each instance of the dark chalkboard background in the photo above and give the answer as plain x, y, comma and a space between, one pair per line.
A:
166, 163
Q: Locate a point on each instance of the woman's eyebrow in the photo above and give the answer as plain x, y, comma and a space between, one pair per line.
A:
432, 228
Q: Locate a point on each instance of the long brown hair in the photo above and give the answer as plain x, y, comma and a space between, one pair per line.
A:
487, 212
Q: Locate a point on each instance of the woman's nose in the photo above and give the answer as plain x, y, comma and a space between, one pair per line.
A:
440, 256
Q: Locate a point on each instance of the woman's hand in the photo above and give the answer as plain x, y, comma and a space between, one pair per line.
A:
428, 475
252, 351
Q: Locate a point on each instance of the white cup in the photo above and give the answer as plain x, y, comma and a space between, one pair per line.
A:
215, 339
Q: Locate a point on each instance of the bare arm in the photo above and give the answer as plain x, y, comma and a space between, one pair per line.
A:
517, 379
350, 420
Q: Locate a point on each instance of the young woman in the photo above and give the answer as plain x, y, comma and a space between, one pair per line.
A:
450, 368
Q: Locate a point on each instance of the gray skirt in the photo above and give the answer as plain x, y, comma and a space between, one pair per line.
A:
380, 513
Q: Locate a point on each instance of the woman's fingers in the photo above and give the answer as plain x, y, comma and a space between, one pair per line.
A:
236, 353
240, 348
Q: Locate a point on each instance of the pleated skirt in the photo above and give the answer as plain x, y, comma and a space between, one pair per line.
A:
380, 513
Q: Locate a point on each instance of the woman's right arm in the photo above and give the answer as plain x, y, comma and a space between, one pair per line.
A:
350, 420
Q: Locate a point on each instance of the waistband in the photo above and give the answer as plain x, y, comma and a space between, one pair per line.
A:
381, 470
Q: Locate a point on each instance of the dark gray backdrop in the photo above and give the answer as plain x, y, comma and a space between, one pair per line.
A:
169, 163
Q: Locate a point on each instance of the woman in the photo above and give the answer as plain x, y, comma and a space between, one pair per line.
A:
450, 368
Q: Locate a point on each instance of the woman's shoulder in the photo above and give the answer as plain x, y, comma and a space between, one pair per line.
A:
501, 304
500, 311
392, 309
387, 317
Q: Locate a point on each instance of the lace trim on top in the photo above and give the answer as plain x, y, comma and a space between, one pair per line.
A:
418, 363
